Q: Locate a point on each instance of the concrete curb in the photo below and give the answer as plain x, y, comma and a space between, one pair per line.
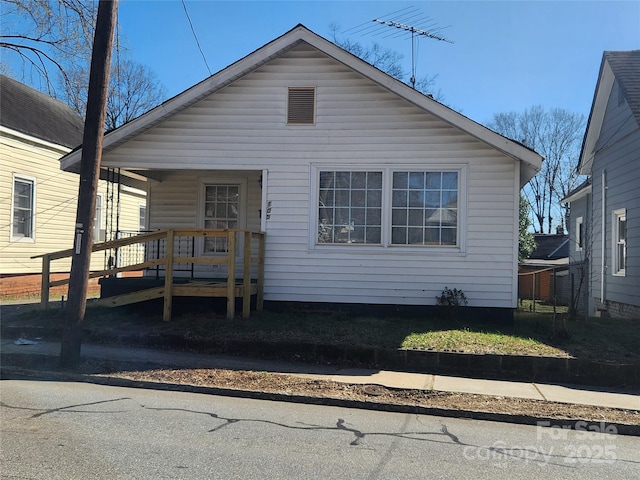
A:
16, 373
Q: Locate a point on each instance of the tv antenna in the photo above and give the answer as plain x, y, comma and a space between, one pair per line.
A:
415, 32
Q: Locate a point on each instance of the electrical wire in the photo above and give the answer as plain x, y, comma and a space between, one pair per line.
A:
612, 136
195, 36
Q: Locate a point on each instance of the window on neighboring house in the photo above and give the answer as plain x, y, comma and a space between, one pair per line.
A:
142, 217
619, 241
387, 207
99, 233
221, 210
579, 234
301, 106
23, 217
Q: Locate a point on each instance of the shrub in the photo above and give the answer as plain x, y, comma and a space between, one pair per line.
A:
452, 298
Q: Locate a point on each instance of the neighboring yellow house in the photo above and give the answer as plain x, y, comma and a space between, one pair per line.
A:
39, 200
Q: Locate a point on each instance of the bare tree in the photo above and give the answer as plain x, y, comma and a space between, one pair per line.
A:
133, 89
555, 134
47, 37
51, 43
387, 60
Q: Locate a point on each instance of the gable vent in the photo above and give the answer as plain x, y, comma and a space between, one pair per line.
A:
301, 106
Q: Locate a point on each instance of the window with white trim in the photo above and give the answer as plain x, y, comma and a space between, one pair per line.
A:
424, 208
388, 207
350, 207
579, 234
23, 209
619, 241
221, 210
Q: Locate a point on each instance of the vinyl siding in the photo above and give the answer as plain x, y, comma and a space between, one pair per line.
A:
56, 202
242, 130
176, 202
617, 153
579, 259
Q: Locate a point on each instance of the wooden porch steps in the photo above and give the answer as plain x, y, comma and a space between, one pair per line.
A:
164, 245
194, 289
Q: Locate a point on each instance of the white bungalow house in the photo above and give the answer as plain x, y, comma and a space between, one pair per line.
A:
39, 201
369, 192
605, 210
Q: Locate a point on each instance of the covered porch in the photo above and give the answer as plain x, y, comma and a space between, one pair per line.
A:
170, 255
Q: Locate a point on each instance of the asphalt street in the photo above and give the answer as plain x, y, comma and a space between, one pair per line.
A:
59, 430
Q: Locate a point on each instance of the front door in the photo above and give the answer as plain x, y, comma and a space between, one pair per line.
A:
221, 210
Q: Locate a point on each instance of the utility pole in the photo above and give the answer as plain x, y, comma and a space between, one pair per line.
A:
89, 178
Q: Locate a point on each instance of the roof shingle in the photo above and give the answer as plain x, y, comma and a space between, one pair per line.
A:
31, 112
626, 68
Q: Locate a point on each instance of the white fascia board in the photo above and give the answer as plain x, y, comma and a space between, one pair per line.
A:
596, 118
583, 192
134, 176
531, 160
133, 190
189, 96
9, 132
559, 247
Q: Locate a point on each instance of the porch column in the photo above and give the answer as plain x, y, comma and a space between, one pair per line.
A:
168, 277
231, 274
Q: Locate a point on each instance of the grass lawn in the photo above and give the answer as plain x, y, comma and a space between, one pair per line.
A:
531, 333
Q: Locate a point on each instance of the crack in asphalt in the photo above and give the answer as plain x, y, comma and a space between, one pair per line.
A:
455, 439
518, 453
359, 435
377, 471
67, 408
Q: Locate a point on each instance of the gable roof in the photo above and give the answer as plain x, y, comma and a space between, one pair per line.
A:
530, 160
626, 68
36, 114
620, 66
550, 246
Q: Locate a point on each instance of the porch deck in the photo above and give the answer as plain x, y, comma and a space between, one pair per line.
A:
161, 255
116, 292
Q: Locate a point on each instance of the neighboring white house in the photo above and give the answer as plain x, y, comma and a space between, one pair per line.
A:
369, 191
605, 209
39, 200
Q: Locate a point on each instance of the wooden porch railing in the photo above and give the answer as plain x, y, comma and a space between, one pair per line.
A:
228, 289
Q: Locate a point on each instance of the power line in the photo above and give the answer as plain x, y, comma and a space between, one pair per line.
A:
195, 36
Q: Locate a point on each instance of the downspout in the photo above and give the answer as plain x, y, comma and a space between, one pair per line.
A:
603, 229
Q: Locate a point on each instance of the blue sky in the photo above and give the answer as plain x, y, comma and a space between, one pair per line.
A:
507, 55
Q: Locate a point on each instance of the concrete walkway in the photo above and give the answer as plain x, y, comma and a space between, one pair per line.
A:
579, 395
